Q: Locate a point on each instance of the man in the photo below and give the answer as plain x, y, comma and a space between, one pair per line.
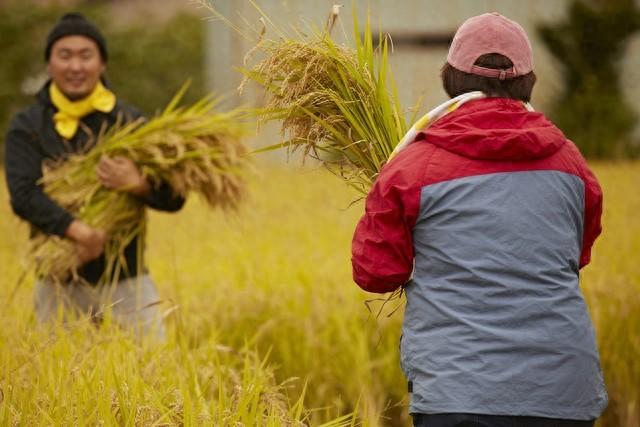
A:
72, 108
485, 219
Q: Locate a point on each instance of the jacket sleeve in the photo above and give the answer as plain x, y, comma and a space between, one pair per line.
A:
382, 246
592, 215
23, 167
162, 197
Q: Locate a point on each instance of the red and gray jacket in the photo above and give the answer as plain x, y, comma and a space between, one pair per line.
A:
486, 219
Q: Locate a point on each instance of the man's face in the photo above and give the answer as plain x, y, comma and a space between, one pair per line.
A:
75, 66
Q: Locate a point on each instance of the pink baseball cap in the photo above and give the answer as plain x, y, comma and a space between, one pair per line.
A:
491, 33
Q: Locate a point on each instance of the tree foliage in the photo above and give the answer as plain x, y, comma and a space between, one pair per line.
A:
589, 45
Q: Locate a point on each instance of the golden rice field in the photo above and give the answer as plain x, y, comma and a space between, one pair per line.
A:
267, 327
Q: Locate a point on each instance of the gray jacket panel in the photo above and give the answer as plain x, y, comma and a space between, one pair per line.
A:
495, 321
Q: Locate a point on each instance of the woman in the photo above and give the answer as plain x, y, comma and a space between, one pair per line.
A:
485, 218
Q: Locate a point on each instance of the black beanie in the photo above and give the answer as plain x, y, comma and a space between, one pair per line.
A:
73, 24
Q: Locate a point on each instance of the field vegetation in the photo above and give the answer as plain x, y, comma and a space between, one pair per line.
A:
266, 326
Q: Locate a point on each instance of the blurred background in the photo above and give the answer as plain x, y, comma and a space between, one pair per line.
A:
276, 279
586, 53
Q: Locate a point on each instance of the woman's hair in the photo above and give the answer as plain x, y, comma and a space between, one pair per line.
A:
456, 82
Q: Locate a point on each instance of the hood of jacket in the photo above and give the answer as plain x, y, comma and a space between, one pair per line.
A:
495, 129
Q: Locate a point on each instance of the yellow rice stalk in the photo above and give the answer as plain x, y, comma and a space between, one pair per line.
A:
194, 149
339, 104
336, 103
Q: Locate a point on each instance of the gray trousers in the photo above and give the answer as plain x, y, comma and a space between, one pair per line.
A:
133, 304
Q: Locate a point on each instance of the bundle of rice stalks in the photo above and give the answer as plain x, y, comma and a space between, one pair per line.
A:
336, 103
193, 149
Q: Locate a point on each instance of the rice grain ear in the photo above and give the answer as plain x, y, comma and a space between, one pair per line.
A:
193, 149
336, 104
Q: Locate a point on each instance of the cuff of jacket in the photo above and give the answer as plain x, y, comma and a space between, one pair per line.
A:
59, 227
380, 285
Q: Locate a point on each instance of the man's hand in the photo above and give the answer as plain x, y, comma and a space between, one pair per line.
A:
89, 241
120, 173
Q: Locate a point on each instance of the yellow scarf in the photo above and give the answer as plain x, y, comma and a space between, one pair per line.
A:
70, 112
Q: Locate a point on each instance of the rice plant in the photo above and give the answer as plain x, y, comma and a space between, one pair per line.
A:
280, 286
337, 104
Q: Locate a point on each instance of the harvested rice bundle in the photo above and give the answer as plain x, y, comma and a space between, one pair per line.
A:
193, 149
338, 104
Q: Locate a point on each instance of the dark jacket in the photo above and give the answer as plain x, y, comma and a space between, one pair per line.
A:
32, 139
